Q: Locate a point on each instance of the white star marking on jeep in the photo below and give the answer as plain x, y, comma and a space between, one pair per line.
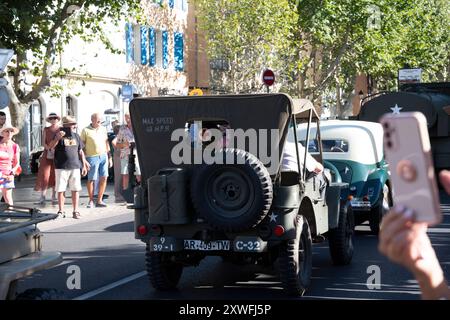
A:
273, 217
396, 109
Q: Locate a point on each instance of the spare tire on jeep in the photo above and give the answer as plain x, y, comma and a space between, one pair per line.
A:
233, 196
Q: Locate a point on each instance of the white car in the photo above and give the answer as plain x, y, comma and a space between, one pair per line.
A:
355, 149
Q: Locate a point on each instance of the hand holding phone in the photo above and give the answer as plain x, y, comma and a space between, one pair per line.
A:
408, 153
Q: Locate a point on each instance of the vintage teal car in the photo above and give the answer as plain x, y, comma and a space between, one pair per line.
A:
355, 149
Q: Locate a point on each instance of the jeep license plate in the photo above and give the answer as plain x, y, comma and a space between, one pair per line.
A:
217, 245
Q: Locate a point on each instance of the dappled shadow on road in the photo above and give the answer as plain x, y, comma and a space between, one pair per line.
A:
121, 227
125, 227
98, 266
216, 279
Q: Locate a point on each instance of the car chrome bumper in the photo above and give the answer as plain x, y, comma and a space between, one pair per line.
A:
361, 205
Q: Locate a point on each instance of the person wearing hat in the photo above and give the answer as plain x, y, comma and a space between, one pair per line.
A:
69, 159
46, 173
9, 161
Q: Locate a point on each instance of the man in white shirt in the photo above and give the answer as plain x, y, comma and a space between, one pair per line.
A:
289, 163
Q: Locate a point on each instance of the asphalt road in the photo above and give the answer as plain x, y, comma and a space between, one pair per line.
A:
111, 264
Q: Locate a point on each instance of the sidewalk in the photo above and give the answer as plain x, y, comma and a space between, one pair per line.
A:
24, 195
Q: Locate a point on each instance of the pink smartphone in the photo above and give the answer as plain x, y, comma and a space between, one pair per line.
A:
408, 153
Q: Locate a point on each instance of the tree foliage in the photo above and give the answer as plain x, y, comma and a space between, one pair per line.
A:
37, 31
318, 47
249, 35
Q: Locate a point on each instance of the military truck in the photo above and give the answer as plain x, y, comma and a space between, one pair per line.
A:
241, 206
432, 99
21, 252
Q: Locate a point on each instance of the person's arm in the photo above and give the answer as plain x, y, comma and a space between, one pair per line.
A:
43, 138
114, 142
83, 138
108, 151
16, 160
312, 165
86, 166
406, 242
59, 135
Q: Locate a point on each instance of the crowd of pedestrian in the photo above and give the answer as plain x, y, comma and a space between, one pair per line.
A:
68, 156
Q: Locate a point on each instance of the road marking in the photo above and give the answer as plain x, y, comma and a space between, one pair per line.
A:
111, 286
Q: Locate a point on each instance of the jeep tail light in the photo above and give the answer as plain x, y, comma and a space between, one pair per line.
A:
366, 198
278, 230
142, 230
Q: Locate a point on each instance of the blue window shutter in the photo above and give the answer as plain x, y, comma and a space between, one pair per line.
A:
165, 49
152, 47
144, 45
129, 42
171, 3
179, 51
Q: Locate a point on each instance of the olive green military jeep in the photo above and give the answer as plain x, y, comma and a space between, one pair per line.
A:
213, 185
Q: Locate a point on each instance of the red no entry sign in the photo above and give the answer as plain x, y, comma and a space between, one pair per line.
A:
268, 77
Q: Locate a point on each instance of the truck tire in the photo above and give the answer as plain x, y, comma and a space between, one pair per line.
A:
377, 213
164, 274
340, 239
41, 294
295, 259
232, 197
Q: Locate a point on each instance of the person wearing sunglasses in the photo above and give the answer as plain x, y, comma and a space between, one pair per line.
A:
97, 151
46, 173
70, 164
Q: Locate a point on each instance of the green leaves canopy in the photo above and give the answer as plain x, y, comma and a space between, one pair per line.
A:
38, 29
318, 47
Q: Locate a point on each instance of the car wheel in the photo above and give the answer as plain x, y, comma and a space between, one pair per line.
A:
232, 197
377, 213
340, 239
295, 259
41, 294
164, 274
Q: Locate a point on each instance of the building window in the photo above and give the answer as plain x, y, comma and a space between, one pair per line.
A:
158, 48
152, 47
179, 51
144, 45
165, 49
171, 3
129, 42
180, 5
